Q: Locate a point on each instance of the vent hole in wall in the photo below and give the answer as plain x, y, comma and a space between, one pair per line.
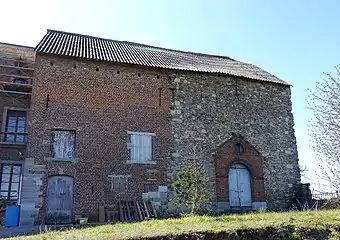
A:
157, 76
118, 72
138, 74
97, 69
74, 66
52, 63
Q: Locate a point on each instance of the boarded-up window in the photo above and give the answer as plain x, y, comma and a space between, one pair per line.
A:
63, 144
140, 146
119, 183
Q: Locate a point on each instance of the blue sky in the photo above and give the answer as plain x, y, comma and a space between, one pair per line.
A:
295, 40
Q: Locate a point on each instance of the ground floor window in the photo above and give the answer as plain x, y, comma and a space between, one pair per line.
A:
10, 181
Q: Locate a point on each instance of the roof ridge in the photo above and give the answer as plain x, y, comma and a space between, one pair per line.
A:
103, 49
144, 45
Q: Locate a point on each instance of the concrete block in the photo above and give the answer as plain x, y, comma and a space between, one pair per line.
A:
259, 205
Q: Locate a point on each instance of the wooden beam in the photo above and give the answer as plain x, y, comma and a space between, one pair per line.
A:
23, 68
15, 92
15, 76
16, 84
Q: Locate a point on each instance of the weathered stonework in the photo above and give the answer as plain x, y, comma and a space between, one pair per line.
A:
208, 108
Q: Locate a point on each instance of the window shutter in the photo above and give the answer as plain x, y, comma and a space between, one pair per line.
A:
140, 147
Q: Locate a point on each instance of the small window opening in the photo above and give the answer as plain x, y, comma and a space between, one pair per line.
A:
97, 69
238, 148
118, 72
119, 184
157, 76
138, 74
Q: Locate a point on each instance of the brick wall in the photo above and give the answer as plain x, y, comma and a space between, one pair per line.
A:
226, 157
17, 50
101, 101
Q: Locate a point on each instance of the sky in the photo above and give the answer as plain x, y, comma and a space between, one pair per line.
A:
295, 40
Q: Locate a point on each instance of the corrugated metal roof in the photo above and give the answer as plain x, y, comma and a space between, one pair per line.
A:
76, 45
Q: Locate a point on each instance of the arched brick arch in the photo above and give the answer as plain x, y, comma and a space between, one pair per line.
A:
227, 155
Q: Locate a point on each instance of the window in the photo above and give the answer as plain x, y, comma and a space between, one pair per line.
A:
15, 126
119, 183
63, 144
10, 181
140, 147
238, 148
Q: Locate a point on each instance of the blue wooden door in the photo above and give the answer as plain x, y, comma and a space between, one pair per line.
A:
239, 186
59, 200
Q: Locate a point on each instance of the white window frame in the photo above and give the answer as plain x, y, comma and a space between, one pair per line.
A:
135, 157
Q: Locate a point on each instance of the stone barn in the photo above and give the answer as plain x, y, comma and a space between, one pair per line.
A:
113, 120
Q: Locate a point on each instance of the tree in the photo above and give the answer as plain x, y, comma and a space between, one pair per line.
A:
325, 126
304, 171
190, 185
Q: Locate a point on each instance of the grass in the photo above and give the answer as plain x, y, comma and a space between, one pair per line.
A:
315, 220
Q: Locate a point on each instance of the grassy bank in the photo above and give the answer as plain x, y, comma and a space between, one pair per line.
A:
288, 225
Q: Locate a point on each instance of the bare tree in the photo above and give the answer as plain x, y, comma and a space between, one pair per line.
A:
325, 126
304, 171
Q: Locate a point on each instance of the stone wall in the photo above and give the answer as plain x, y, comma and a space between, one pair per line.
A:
208, 108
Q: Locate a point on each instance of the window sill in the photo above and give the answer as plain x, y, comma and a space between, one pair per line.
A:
146, 162
50, 159
13, 143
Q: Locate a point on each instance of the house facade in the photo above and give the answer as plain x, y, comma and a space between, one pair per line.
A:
111, 121
16, 74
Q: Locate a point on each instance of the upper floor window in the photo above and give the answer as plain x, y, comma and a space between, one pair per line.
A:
10, 181
140, 147
15, 126
238, 148
63, 144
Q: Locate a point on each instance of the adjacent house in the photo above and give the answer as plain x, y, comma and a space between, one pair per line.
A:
110, 120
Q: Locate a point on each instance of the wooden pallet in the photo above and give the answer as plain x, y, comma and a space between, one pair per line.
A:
131, 211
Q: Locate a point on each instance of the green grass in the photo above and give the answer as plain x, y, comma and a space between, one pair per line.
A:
319, 220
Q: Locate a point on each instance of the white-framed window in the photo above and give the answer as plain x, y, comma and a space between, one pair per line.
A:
63, 144
140, 146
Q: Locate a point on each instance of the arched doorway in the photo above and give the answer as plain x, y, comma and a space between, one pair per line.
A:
239, 186
59, 200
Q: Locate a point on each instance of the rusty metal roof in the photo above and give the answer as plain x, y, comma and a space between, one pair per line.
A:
82, 46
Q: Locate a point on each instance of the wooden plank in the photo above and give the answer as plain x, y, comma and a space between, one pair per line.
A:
101, 214
146, 209
15, 92
23, 68
153, 210
7, 84
16, 76
135, 210
128, 211
121, 211
139, 211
